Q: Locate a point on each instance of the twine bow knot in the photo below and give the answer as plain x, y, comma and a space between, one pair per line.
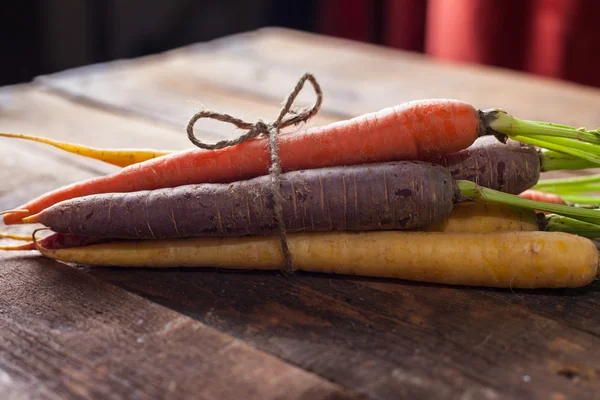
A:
287, 117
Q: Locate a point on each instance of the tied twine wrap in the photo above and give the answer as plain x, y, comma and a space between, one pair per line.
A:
271, 131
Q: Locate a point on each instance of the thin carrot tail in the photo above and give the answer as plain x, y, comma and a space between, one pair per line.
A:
14, 214
32, 219
24, 238
14, 211
19, 247
118, 157
12, 236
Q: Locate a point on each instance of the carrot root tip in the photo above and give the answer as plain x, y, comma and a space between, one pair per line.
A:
13, 211
12, 236
20, 247
32, 219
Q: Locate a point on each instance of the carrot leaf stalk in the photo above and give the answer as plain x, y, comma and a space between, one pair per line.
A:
578, 142
581, 200
582, 150
474, 192
570, 185
559, 223
554, 160
118, 157
504, 123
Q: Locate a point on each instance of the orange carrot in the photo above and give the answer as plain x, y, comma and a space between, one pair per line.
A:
542, 196
412, 131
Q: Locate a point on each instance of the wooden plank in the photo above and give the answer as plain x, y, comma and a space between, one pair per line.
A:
368, 77
393, 339
66, 335
32, 110
25, 175
357, 78
30, 169
27, 109
158, 91
63, 119
386, 339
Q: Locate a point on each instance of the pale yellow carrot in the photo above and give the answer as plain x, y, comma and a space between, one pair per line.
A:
118, 157
486, 217
504, 260
18, 247
22, 211
13, 236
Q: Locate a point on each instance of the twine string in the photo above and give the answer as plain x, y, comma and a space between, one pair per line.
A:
287, 117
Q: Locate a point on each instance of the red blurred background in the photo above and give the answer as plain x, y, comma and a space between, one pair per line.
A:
555, 38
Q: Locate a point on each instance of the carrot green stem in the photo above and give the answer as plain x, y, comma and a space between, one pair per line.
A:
558, 223
570, 190
554, 160
502, 122
581, 150
568, 183
577, 142
474, 192
581, 199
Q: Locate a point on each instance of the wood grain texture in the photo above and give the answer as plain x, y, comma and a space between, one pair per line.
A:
382, 339
158, 91
32, 110
394, 339
66, 335
356, 77
259, 68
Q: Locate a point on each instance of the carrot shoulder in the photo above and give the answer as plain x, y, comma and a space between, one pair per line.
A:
411, 131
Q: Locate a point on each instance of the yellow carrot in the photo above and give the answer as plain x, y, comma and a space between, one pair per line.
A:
118, 157
18, 247
13, 236
504, 260
486, 217
23, 211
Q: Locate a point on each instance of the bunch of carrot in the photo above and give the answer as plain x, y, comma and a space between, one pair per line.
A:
430, 190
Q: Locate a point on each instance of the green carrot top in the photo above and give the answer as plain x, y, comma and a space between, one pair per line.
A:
578, 142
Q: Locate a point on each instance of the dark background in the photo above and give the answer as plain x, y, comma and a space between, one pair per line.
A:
555, 38
44, 36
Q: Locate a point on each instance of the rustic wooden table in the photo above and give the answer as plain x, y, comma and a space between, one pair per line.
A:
116, 333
